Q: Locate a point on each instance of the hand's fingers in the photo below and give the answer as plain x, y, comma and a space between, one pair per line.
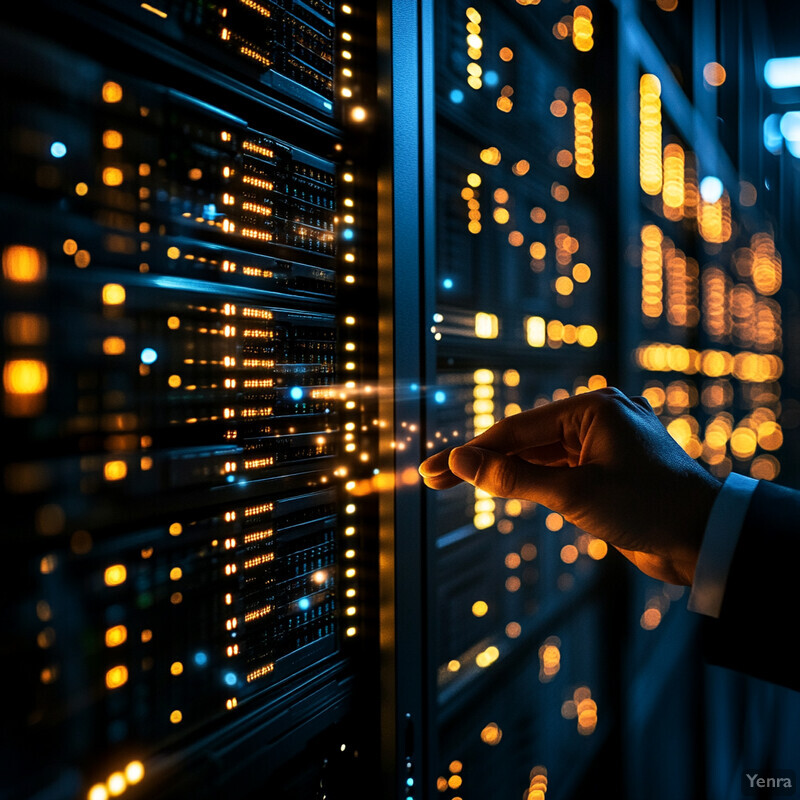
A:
436, 464
444, 481
509, 476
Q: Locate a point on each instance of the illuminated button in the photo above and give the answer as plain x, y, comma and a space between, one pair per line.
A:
116, 784
134, 772
112, 140
115, 575
98, 792
112, 92
116, 676
25, 377
116, 636
112, 176
479, 608
115, 470
23, 264
113, 294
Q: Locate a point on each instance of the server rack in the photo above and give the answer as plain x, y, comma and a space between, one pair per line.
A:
188, 233
518, 313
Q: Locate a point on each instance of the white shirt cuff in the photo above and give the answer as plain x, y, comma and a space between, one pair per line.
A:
719, 543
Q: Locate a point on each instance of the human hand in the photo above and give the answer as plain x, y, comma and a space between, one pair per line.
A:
607, 464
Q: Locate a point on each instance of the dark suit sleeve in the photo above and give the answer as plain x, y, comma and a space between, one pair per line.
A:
757, 630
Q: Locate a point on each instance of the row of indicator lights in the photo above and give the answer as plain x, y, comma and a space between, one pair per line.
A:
537, 787
650, 133
538, 331
577, 26
483, 418
584, 140
349, 572
117, 782
757, 429
357, 113
455, 779
25, 380
474, 48
230, 570
746, 366
760, 264
667, 173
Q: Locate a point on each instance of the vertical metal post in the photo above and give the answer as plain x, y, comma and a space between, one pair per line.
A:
404, 606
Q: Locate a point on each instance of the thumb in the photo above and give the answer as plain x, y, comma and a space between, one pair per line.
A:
498, 474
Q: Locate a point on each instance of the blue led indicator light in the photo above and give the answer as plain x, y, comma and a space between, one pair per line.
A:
58, 149
711, 189
148, 355
782, 73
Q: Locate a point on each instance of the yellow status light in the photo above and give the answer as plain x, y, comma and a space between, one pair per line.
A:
134, 772
116, 676
23, 264
112, 140
116, 636
116, 784
112, 176
115, 575
24, 377
480, 608
98, 792
115, 470
486, 325
113, 294
112, 92
535, 331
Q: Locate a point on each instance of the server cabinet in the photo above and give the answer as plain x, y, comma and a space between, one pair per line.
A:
519, 296
187, 239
